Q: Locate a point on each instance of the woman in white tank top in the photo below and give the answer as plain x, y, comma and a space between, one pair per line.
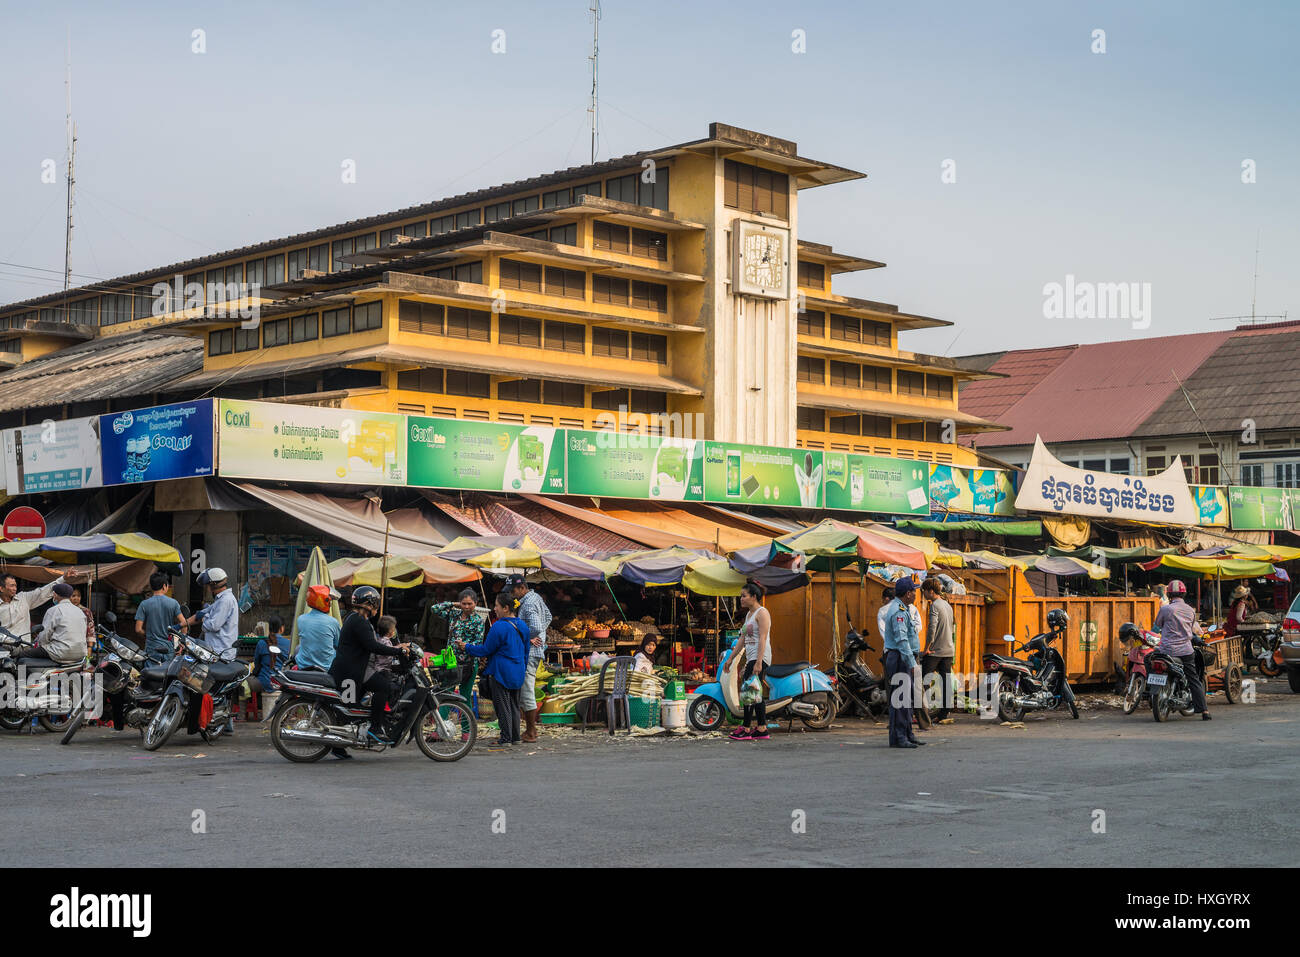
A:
756, 633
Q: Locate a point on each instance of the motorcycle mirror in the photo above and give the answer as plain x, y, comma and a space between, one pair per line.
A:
37, 630
274, 649
1009, 639
110, 618
185, 610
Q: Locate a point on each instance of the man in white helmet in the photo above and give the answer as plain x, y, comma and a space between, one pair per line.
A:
1177, 625
220, 616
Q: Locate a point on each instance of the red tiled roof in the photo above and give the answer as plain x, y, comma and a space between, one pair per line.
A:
1077, 393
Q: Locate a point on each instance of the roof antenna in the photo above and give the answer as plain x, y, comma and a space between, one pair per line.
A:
72, 157
594, 108
1254, 286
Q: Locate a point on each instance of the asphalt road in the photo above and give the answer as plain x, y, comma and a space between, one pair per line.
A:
1184, 793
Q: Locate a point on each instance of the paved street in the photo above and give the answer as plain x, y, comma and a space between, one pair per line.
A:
1190, 792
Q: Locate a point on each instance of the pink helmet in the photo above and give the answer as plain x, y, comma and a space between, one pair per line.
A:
1176, 587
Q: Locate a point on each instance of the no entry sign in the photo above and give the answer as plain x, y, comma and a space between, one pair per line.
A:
24, 522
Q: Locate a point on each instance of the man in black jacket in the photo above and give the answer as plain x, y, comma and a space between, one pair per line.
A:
357, 642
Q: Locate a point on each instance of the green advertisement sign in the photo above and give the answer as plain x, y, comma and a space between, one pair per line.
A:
974, 491
873, 483
618, 465
1260, 509
487, 456
762, 475
271, 440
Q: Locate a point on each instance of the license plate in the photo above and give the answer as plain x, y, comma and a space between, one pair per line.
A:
1157, 679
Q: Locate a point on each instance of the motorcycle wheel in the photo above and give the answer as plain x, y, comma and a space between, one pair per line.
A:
14, 720
829, 709
1252, 649
1268, 667
1137, 689
437, 748
163, 724
74, 723
55, 724
705, 714
1006, 692
298, 713
1160, 704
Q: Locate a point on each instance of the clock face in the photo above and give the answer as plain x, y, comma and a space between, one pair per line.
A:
764, 261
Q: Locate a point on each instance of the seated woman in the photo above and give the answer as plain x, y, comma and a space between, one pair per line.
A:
645, 656
265, 661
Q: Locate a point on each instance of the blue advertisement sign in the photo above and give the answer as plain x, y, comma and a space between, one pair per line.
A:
162, 442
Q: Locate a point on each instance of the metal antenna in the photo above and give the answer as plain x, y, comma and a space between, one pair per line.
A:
1254, 286
594, 108
72, 158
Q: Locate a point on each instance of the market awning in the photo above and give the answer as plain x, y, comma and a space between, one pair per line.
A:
683, 525
549, 530
1060, 565
131, 576
1030, 528
472, 546
926, 545
567, 566
1114, 556
664, 566
1229, 568
75, 549
832, 544
402, 572
644, 535
1265, 553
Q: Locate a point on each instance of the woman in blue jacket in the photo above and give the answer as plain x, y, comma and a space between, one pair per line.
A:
506, 651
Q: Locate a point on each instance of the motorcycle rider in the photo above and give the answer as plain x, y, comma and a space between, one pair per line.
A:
357, 642
1177, 624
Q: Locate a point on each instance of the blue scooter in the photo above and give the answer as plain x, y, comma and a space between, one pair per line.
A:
798, 690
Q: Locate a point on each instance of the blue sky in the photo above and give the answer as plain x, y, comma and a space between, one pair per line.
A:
1115, 167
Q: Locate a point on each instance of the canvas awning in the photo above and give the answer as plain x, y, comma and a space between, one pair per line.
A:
131, 576
499, 515
402, 572
1031, 528
74, 549
1115, 556
642, 534
1213, 567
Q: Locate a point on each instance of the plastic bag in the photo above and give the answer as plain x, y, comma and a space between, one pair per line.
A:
597, 659
751, 692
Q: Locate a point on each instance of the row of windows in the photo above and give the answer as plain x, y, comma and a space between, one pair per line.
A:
551, 280
876, 426
812, 322
281, 332
925, 384
635, 242
851, 375
478, 385
812, 275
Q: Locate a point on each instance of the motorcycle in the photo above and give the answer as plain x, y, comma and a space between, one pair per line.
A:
858, 687
199, 686
314, 715
34, 686
122, 668
1260, 646
796, 689
1138, 647
1167, 680
1035, 684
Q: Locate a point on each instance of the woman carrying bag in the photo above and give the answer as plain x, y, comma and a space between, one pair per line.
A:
506, 652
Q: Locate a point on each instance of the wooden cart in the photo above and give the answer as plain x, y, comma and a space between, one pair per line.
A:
1225, 673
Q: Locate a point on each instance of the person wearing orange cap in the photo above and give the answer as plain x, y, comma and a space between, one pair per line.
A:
318, 631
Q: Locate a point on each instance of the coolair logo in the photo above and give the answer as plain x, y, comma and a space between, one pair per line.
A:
75, 910
122, 423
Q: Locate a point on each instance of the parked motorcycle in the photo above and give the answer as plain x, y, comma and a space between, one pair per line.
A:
313, 715
1260, 646
121, 668
33, 686
199, 686
1035, 684
1167, 680
1138, 647
859, 688
798, 689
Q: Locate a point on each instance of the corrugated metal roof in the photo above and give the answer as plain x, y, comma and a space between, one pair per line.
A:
1024, 369
101, 369
1098, 391
1254, 374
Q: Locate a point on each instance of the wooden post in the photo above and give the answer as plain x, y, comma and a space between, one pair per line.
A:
383, 574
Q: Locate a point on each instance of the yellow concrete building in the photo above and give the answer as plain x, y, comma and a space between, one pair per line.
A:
666, 291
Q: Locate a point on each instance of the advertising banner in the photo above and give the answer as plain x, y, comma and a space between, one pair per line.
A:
488, 456
1261, 509
618, 465
1212, 502
973, 491
873, 483
1052, 486
162, 442
53, 456
762, 475
269, 440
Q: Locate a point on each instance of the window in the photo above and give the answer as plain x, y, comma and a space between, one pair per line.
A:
115, 309
846, 328
214, 286
472, 324
811, 370
650, 245
561, 235
649, 295
318, 258
526, 205
1095, 465
1156, 464
555, 198
410, 230
564, 393
420, 380
876, 333
609, 400
752, 189
1207, 468
474, 384
468, 218
812, 323
846, 424
569, 283
442, 224
234, 276
520, 331
369, 315
245, 340
644, 401
143, 304
565, 337
846, 374
275, 270
812, 275
464, 272
878, 426
609, 289
912, 431
609, 342
622, 188
1252, 475
876, 378
611, 236
255, 272
655, 194
341, 248
1119, 466
297, 262
304, 328
938, 387
649, 348
496, 212
336, 322
221, 342
587, 189
420, 317
275, 333
520, 390
526, 277
911, 383
812, 420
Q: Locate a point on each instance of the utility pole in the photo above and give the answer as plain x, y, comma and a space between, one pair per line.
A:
594, 108
72, 159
